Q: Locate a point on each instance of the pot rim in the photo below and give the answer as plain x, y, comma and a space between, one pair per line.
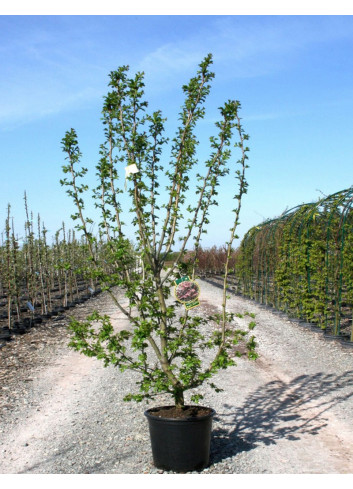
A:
148, 414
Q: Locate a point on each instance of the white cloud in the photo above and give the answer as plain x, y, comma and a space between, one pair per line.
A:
48, 66
247, 46
27, 108
171, 57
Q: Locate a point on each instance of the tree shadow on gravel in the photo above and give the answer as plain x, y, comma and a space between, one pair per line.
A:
76, 462
279, 410
33, 469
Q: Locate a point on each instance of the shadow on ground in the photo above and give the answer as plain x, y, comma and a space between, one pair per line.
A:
278, 410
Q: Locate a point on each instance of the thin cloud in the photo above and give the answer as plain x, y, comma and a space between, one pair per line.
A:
245, 47
39, 106
171, 58
45, 70
49, 66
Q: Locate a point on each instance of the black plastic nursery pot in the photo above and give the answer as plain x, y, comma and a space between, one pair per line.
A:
330, 336
281, 314
318, 329
181, 444
5, 334
346, 342
304, 324
19, 328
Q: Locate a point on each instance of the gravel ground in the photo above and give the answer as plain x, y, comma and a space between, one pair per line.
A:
290, 412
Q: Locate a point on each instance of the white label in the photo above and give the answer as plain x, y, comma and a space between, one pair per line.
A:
131, 169
30, 307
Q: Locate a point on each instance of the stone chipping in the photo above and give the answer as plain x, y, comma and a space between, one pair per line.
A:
288, 412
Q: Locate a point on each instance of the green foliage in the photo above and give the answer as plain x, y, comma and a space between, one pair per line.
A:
301, 262
164, 342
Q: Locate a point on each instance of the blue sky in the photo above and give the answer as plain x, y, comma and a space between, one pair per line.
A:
292, 74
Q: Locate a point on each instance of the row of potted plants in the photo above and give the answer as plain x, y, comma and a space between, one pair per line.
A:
33, 318
42, 276
235, 288
302, 263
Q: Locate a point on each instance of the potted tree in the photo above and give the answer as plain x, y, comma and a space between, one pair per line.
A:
167, 337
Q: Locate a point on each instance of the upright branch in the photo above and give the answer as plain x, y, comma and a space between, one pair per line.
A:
75, 191
9, 270
242, 189
184, 150
207, 189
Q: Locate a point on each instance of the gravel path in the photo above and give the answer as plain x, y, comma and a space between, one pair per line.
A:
289, 412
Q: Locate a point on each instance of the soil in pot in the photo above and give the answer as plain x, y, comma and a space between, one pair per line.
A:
173, 412
180, 438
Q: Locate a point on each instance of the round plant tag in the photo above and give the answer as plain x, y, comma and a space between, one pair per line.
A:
187, 291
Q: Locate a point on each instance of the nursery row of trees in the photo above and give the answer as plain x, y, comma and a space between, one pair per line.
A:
38, 275
211, 261
302, 262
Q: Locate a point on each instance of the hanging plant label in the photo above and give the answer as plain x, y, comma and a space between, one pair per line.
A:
90, 290
30, 306
187, 292
131, 169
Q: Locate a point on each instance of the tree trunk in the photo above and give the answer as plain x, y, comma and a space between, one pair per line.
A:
179, 398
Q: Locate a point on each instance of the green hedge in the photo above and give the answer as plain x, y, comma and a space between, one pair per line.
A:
302, 262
